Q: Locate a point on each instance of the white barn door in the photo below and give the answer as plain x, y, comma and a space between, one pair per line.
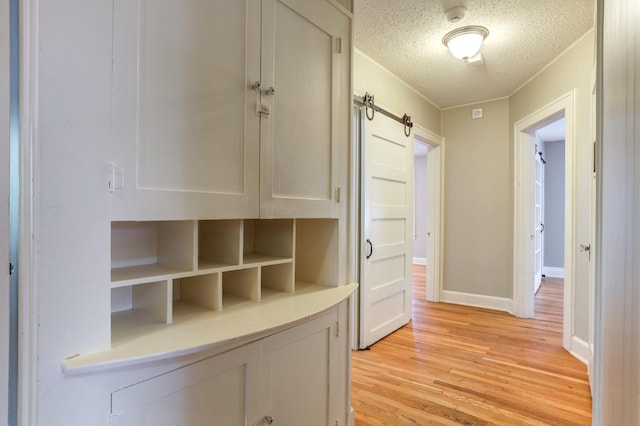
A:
387, 179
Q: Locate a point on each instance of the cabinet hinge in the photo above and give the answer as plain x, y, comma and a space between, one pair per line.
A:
337, 329
337, 195
339, 45
115, 177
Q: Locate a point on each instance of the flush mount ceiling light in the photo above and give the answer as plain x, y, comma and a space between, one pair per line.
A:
465, 42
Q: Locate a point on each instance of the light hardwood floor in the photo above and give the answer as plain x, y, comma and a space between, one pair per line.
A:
455, 365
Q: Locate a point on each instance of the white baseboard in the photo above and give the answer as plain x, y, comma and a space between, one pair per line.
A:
553, 272
581, 350
477, 300
419, 261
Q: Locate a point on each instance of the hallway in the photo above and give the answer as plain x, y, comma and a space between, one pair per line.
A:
462, 365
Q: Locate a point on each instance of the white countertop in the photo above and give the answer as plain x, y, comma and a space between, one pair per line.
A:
195, 329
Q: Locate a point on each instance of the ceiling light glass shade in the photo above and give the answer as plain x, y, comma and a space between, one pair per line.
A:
465, 42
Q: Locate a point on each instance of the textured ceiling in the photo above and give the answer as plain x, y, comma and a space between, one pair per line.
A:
405, 36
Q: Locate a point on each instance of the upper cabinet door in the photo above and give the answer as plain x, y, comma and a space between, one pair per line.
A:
185, 127
304, 131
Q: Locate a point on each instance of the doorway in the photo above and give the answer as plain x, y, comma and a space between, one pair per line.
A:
551, 142
550, 206
526, 228
427, 151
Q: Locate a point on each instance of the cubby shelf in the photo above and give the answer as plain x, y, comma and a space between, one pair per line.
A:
138, 340
164, 273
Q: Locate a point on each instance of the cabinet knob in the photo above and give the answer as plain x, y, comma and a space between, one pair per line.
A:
267, 420
270, 91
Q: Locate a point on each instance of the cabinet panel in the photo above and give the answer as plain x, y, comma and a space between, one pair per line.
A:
216, 391
301, 132
185, 127
296, 366
305, 59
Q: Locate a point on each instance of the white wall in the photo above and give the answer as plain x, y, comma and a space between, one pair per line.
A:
477, 235
554, 205
420, 205
570, 71
392, 93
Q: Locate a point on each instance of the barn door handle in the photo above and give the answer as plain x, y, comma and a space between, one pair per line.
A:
370, 247
542, 228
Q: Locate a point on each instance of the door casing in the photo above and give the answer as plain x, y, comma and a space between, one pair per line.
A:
523, 273
5, 58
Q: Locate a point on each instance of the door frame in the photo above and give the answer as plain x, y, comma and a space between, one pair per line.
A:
523, 280
436, 143
28, 235
5, 150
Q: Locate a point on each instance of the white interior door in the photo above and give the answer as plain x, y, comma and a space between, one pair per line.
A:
538, 224
4, 210
385, 303
433, 223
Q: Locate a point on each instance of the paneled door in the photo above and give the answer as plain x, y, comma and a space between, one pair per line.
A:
304, 129
298, 374
385, 293
217, 391
185, 126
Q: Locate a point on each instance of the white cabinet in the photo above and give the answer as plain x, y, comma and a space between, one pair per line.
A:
185, 129
216, 391
194, 136
304, 141
287, 377
297, 373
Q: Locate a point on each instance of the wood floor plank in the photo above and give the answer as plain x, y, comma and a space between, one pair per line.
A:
455, 365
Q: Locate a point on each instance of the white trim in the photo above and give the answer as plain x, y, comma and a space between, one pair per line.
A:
501, 98
478, 300
553, 272
523, 280
419, 261
354, 233
29, 188
581, 350
398, 79
553, 61
427, 135
5, 195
